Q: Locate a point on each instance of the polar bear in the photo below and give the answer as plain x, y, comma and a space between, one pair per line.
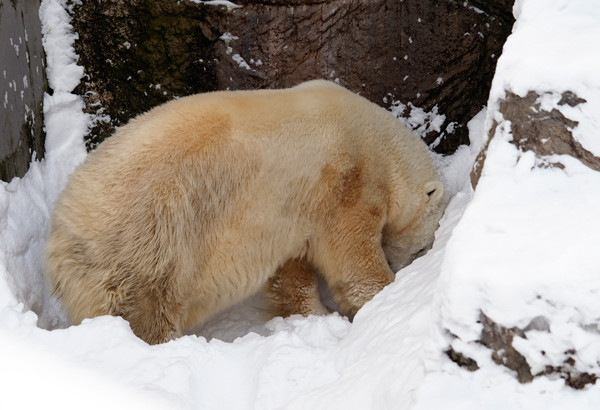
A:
202, 201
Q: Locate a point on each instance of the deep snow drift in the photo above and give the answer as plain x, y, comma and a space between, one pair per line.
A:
391, 356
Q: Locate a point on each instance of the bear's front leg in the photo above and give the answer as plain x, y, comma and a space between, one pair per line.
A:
352, 260
293, 289
152, 313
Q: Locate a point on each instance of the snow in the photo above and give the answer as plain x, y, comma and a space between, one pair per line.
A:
230, 5
417, 119
240, 61
519, 248
228, 38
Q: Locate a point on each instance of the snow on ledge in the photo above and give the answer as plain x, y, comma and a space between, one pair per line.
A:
230, 5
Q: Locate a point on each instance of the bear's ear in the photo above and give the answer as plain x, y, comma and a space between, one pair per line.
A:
434, 191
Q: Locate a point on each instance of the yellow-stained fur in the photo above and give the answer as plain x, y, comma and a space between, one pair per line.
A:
202, 201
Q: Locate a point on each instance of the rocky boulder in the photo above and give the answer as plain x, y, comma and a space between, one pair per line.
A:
428, 59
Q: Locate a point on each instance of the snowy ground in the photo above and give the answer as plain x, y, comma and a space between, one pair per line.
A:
390, 357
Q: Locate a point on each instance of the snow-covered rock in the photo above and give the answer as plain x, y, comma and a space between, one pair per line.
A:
518, 296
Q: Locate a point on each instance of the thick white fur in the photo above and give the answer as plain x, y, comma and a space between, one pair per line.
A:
200, 202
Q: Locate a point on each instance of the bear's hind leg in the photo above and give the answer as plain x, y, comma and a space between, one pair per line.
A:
294, 290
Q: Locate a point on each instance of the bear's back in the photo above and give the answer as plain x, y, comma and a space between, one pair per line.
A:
197, 155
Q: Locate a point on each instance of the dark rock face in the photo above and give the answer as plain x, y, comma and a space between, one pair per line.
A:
22, 85
436, 55
543, 132
140, 53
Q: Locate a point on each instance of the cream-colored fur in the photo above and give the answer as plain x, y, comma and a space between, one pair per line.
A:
200, 202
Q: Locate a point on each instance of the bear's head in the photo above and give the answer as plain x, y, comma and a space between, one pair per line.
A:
404, 243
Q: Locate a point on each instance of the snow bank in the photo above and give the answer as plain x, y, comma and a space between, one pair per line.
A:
524, 252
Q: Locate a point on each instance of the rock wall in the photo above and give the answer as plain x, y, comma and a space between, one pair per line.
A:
22, 85
438, 56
